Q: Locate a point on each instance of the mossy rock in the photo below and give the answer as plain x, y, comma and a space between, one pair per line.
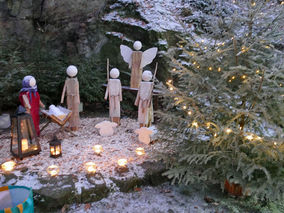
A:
128, 184
56, 192
95, 193
153, 173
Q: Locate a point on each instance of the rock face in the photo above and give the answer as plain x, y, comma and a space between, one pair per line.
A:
87, 27
61, 24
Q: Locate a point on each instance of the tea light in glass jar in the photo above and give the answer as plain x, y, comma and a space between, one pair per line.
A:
122, 166
91, 167
53, 170
122, 162
98, 149
140, 151
8, 166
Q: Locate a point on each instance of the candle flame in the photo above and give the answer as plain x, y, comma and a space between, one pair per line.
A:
140, 151
98, 149
25, 145
91, 167
53, 170
122, 162
8, 166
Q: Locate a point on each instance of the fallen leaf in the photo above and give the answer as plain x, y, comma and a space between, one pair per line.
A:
208, 199
138, 189
87, 206
64, 208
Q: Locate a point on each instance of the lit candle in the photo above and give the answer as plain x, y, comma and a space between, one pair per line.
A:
52, 150
53, 170
98, 149
91, 167
25, 144
122, 162
140, 151
8, 166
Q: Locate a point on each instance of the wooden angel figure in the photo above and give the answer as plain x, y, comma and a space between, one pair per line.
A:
71, 88
30, 99
144, 135
114, 93
137, 60
144, 100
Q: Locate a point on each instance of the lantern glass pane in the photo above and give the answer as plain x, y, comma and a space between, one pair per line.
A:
28, 142
57, 150
14, 135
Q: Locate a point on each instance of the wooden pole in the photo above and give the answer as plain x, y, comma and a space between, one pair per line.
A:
156, 68
107, 69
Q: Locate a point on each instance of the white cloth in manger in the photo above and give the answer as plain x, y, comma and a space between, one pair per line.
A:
56, 111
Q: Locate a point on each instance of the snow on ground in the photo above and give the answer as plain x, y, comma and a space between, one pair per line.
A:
77, 150
161, 15
161, 199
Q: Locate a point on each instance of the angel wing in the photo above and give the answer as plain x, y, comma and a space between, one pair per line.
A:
148, 56
126, 53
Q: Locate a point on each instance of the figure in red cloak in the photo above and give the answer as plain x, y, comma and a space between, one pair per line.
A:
30, 99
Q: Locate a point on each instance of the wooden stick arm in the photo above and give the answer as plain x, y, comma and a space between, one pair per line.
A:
26, 102
137, 98
106, 94
63, 93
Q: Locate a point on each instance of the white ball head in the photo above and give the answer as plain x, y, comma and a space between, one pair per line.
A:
137, 45
32, 82
72, 71
114, 73
147, 75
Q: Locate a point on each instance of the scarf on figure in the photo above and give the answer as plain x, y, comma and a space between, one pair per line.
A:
27, 88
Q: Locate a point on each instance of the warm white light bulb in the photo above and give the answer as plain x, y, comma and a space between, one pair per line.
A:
228, 130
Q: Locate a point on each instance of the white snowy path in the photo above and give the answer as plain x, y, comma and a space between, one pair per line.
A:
162, 199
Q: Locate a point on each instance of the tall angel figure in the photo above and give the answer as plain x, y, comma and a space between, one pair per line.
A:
71, 88
144, 100
114, 92
137, 60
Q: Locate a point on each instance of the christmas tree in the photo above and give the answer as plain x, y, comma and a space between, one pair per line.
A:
224, 107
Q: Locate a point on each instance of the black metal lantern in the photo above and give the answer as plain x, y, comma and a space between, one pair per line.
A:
24, 140
55, 148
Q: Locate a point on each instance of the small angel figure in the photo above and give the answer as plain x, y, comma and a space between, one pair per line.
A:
106, 128
144, 135
137, 60
30, 99
71, 87
114, 92
144, 100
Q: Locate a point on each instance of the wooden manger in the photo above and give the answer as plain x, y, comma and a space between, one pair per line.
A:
52, 118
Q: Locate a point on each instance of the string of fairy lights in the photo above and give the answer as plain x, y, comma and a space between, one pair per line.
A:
219, 48
208, 125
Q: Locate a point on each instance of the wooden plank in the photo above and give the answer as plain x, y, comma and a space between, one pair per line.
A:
155, 91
